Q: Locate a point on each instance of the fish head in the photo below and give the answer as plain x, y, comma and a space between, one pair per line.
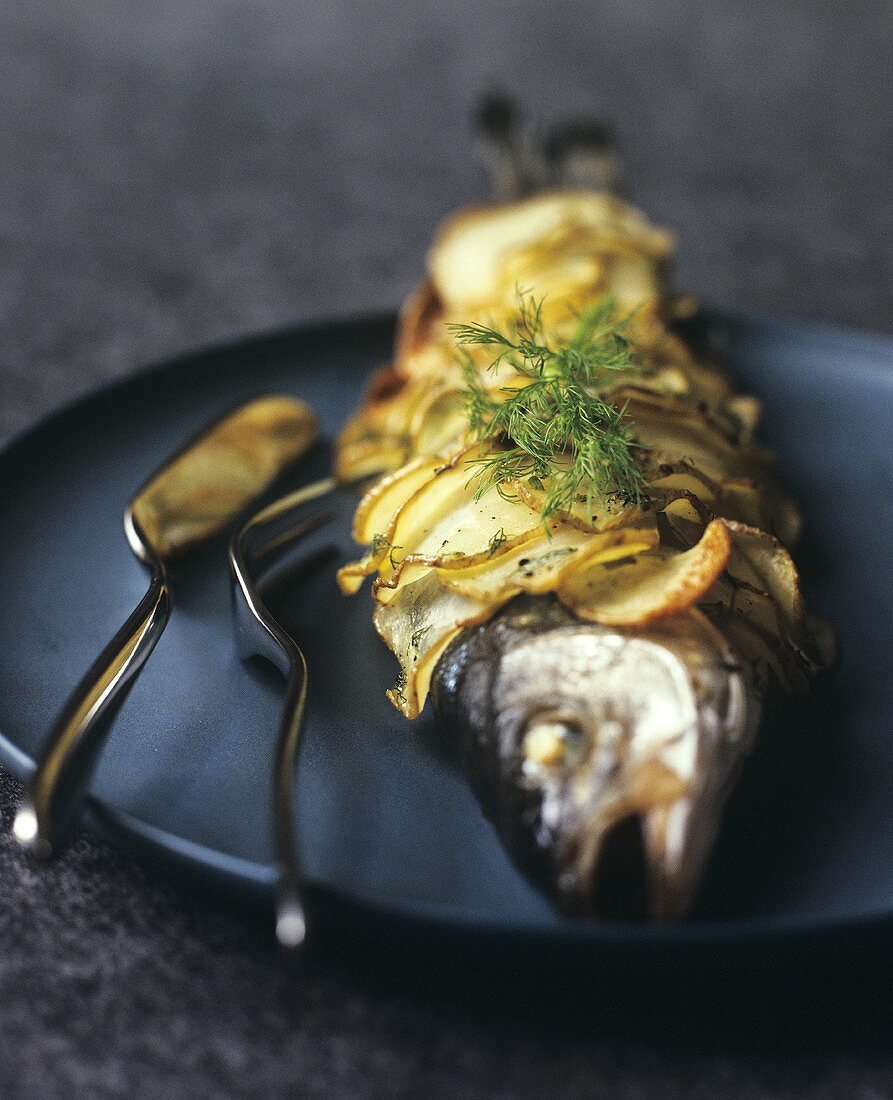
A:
621, 746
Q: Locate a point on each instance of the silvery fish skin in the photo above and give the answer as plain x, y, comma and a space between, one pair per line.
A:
603, 756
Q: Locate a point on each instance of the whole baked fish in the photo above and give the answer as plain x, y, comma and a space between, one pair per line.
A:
599, 650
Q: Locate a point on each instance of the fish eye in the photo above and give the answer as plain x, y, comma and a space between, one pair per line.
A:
549, 738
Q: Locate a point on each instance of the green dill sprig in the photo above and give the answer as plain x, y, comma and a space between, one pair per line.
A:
380, 543
556, 428
497, 542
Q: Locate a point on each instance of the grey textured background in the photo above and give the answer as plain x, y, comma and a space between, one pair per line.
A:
174, 173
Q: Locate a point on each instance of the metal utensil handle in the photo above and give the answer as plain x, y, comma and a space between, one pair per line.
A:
258, 633
54, 792
291, 925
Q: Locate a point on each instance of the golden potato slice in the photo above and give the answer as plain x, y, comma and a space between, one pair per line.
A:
363, 453
417, 625
440, 422
445, 520
539, 565
744, 500
761, 559
730, 498
419, 320
676, 431
378, 510
605, 517
766, 591
406, 570
376, 515
399, 571
375, 438
481, 254
637, 590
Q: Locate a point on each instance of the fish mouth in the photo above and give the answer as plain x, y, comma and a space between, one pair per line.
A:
631, 877
630, 869
636, 876
619, 887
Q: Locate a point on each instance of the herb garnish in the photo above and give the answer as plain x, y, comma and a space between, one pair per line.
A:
555, 427
380, 543
497, 542
399, 689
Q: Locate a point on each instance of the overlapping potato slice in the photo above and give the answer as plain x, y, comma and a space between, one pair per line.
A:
428, 514
419, 322
418, 625
637, 589
564, 239
440, 422
376, 438
364, 451
601, 517
674, 430
538, 565
762, 648
760, 560
445, 519
445, 559
376, 516
729, 498
477, 555
385, 499
760, 589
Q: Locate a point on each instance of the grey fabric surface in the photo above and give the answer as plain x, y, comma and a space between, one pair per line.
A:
179, 171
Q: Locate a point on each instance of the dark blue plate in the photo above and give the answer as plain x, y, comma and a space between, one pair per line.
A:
390, 828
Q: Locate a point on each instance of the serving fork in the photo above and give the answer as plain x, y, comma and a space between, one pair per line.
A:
199, 491
260, 555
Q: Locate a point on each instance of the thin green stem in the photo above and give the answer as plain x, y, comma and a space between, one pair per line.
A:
556, 431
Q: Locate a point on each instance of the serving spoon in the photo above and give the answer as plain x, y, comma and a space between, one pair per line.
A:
198, 491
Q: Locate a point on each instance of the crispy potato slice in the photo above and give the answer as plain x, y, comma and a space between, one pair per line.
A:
764, 648
376, 515
481, 254
378, 510
443, 520
440, 422
762, 505
382, 435
676, 431
350, 576
647, 586
363, 453
427, 515
419, 319
539, 565
417, 626
608, 516
413, 566
729, 498
744, 500
761, 559
375, 439
398, 572
762, 586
